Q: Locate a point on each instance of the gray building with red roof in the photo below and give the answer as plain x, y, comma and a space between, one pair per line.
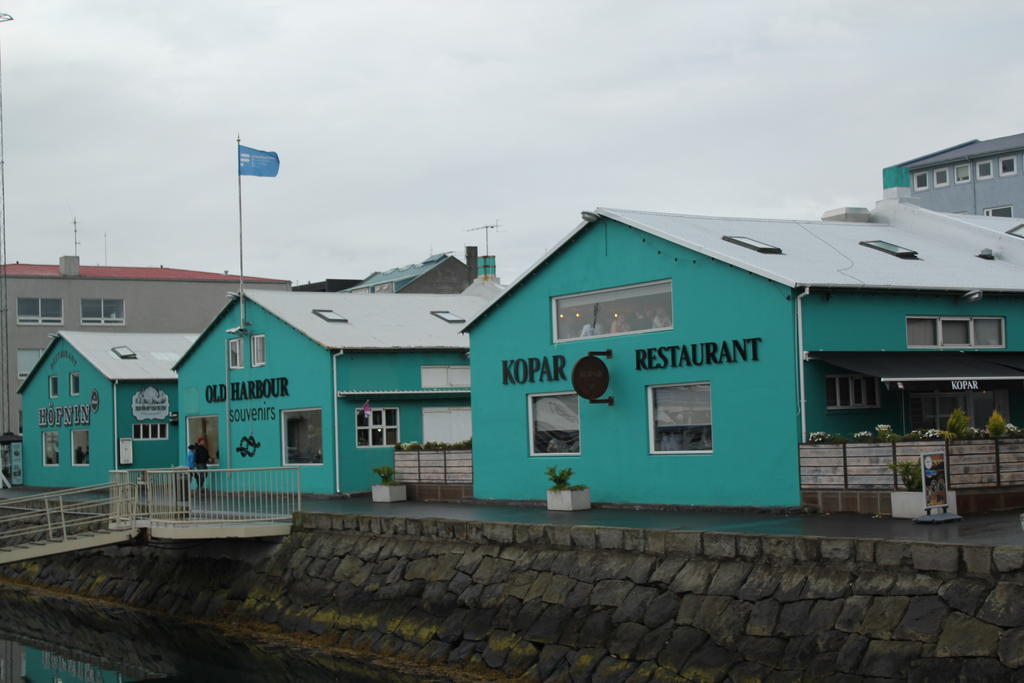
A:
46, 298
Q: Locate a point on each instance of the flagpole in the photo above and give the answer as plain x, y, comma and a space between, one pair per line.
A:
241, 267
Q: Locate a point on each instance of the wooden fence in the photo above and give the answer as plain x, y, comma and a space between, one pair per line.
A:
979, 464
434, 467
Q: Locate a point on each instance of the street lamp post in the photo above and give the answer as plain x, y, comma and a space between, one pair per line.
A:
10, 443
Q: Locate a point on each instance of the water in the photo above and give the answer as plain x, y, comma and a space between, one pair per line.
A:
51, 637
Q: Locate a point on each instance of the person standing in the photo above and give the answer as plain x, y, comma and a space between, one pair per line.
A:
202, 457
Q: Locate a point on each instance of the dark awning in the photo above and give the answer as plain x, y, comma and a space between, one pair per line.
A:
927, 366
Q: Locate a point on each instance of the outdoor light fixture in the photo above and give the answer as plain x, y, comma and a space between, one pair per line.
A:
972, 296
589, 216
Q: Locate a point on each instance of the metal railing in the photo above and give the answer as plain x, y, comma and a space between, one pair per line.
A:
59, 516
184, 497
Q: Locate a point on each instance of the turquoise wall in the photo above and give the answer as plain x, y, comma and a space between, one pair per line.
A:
754, 404
61, 360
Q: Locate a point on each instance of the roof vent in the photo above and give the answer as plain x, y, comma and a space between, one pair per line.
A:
329, 315
124, 352
986, 254
847, 214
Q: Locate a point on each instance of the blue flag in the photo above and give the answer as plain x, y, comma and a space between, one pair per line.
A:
257, 162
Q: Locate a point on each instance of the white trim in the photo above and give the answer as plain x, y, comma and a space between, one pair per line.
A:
915, 176
73, 379
262, 346
88, 456
42, 435
1010, 158
138, 429
102, 321
991, 169
529, 425
556, 299
650, 419
956, 179
384, 426
939, 319
935, 179
38, 319
284, 437
863, 405
233, 343
53, 386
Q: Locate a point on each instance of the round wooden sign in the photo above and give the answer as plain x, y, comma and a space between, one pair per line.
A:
590, 377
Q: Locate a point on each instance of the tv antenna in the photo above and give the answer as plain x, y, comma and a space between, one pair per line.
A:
487, 232
74, 222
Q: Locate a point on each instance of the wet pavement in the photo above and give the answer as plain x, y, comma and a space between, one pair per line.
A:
1001, 528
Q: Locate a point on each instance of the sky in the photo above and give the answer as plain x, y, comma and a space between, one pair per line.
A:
403, 125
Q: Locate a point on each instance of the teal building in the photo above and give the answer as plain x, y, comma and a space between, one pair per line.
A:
99, 401
329, 382
674, 359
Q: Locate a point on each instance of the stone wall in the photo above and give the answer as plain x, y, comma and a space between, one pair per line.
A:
572, 603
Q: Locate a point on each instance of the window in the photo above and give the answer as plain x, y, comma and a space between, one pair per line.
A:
851, 391
386, 288
235, 354
51, 450
921, 181
931, 409
1008, 166
680, 418
752, 244
607, 312
890, 248
435, 376
303, 437
32, 311
376, 427
1006, 211
124, 352
962, 173
961, 332
941, 177
26, 361
984, 169
80, 447
447, 425
149, 431
554, 424
258, 348
448, 316
329, 315
73, 384
53, 386
103, 311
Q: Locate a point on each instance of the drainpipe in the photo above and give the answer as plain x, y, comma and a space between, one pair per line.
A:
800, 361
227, 399
334, 413
117, 440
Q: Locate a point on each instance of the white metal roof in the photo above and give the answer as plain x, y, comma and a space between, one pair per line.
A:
378, 321
155, 353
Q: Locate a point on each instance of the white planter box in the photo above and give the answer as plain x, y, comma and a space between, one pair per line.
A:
382, 493
569, 500
910, 504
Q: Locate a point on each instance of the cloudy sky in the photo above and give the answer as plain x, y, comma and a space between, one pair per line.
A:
403, 124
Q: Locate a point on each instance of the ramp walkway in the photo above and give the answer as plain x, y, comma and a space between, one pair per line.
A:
166, 503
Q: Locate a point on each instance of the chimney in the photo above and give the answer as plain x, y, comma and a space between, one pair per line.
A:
470, 265
69, 266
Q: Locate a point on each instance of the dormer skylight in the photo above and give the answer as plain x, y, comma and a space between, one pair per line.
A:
749, 243
891, 249
329, 315
448, 316
1016, 231
124, 352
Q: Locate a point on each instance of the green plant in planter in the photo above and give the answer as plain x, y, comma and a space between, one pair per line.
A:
996, 425
560, 479
957, 424
909, 472
386, 474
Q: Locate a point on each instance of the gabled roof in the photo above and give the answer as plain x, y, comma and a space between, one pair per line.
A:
403, 275
830, 254
381, 321
155, 354
969, 150
128, 273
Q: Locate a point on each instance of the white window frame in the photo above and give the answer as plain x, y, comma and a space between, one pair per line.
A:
988, 211
972, 344
850, 380
935, 177
56, 443
38, 319
74, 384
984, 176
103, 319
916, 176
384, 425
54, 386
236, 361
956, 178
284, 437
651, 424
555, 300
1006, 173
452, 374
87, 455
149, 431
258, 350
24, 374
529, 425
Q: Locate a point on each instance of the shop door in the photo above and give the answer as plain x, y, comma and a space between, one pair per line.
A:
205, 426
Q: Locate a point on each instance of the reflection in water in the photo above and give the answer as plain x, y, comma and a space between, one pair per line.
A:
50, 637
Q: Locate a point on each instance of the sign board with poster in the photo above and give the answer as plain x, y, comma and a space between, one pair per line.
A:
933, 478
17, 475
125, 452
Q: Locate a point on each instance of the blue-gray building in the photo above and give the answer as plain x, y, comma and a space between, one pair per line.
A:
982, 177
